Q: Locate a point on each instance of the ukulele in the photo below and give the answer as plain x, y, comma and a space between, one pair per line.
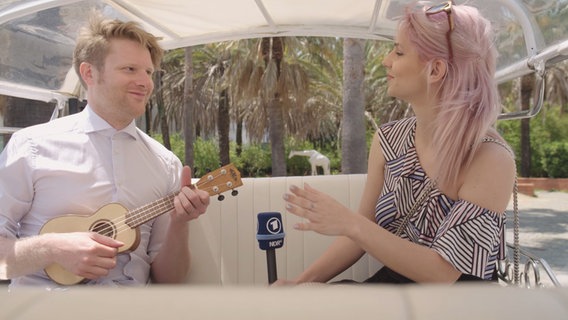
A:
115, 221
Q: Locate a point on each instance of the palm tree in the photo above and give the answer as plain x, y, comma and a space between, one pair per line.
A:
526, 91
186, 75
212, 62
557, 85
169, 87
378, 104
272, 51
238, 80
188, 107
322, 58
270, 87
354, 147
159, 100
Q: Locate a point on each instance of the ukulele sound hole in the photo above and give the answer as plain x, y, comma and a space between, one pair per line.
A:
106, 228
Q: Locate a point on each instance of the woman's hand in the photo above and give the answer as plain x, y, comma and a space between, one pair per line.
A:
324, 214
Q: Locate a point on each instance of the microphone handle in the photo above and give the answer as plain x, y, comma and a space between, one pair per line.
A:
271, 265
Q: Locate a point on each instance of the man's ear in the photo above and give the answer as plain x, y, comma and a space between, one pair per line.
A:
87, 72
438, 71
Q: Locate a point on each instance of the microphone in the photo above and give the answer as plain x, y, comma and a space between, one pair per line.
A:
270, 236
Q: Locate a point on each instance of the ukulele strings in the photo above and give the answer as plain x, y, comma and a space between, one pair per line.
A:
141, 213
122, 220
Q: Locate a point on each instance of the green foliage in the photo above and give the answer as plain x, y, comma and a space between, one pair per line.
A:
254, 160
555, 159
511, 131
335, 162
178, 145
548, 137
206, 153
549, 149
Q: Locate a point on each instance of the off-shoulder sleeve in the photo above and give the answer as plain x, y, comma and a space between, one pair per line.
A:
471, 238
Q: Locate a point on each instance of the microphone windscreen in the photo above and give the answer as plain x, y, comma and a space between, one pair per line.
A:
270, 232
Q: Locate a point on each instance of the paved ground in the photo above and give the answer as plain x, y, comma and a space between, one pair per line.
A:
544, 230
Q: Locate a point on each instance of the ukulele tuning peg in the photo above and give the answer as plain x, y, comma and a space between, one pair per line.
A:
234, 193
221, 197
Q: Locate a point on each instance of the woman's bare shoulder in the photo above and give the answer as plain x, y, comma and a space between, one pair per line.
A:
489, 179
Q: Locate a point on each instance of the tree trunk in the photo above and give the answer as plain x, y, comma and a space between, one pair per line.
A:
276, 132
188, 106
353, 143
273, 48
164, 128
223, 123
148, 117
239, 137
527, 88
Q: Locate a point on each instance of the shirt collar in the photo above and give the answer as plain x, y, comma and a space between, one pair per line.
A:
94, 123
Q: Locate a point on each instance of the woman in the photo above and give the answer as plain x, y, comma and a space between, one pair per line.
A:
447, 162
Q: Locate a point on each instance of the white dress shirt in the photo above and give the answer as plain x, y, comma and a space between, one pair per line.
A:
75, 165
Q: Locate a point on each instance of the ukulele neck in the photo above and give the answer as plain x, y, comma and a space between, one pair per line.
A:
214, 183
139, 216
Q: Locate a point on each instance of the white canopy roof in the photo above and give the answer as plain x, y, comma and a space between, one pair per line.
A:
37, 36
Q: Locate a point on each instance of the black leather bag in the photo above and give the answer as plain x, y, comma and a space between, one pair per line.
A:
387, 275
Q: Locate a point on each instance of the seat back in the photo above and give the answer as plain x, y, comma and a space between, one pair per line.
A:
223, 241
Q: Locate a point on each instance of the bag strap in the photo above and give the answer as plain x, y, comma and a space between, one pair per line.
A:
415, 206
516, 222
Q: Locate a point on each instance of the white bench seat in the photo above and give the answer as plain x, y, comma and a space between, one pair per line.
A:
223, 241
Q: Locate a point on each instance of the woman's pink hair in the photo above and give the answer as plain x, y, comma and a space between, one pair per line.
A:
469, 101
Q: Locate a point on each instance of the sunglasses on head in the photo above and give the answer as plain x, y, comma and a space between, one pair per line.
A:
447, 8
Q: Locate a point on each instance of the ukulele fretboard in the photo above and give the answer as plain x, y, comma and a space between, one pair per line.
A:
150, 211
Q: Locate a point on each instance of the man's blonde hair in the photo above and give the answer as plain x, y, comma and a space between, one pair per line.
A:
94, 40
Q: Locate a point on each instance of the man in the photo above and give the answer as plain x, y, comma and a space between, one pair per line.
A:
79, 163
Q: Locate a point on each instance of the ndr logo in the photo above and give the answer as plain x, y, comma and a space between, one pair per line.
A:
275, 243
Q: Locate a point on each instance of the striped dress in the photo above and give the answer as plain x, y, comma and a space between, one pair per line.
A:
469, 237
